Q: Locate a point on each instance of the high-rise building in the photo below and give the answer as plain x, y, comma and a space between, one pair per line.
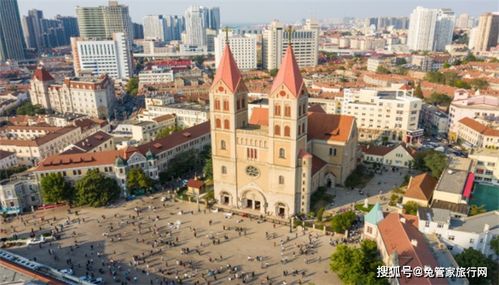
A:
215, 18
53, 33
70, 26
110, 57
195, 33
175, 26
463, 21
40, 33
101, 22
155, 28
430, 29
305, 41
138, 31
486, 33
32, 26
11, 34
243, 49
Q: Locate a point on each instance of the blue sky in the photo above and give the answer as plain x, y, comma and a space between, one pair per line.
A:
263, 11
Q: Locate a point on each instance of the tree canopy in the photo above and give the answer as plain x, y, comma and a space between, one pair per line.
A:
132, 86
357, 265
418, 92
432, 161
96, 190
447, 78
27, 108
439, 99
473, 258
164, 132
383, 70
342, 222
411, 208
137, 180
55, 189
494, 244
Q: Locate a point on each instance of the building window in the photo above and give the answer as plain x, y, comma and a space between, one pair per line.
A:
287, 131
277, 110
369, 230
224, 170
281, 179
217, 104
226, 105
277, 130
472, 240
251, 153
282, 153
427, 224
450, 238
238, 105
218, 123
222, 144
287, 111
332, 151
226, 124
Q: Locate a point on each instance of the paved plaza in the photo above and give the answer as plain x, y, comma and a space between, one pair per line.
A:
148, 241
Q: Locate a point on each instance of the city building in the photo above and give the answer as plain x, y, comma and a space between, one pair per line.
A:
99, 23
70, 27
243, 48
459, 234
305, 41
463, 21
374, 62
112, 56
33, 143
93, 96
434, 121
142, 131
273, 162
155, 28
11, 34
32, 29
138, 31
393, 114
155, 75
454, 187
8, 159
41, 33
96, 142
175, 26
486, 34
152, 157
474, 134
195, 30
430, 29
391, 156
486, 165
19, 194
420, 189
476, 106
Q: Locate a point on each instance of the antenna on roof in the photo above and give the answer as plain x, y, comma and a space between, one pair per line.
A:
290, 31
226, 30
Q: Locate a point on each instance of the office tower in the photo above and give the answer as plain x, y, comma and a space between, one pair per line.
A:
70, 26
155, 28
486, 32
215, 18
444, 29
243, 49
52, 33
430, 29
101, 22
305, 41
32, 28
110, 57
194, 28
463, 21
138, 31
175, 26
11, 34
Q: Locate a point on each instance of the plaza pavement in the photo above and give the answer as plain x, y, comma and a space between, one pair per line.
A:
104, 240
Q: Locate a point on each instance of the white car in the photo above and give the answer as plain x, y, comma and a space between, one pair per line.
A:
68, 271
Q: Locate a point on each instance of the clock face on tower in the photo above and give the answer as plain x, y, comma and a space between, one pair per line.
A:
252, 171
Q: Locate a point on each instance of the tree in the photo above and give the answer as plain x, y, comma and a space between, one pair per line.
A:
418, 92
29, 109
199, 59
439, 99
137, 180
55, 189
357, 265
132, 86
273, 72
164, 132
479, 83
477, 210
383, 70
342, 222
208, 169
494, 244
431, 160
473, 258
411, 208
320, 214
96, 190
8, 172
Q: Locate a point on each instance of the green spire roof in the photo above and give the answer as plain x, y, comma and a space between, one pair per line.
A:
375, 215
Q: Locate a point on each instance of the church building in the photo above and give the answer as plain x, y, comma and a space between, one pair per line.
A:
272, 162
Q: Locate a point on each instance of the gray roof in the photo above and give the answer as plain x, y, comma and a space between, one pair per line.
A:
453, 179
475, 224
435, 214
452, 207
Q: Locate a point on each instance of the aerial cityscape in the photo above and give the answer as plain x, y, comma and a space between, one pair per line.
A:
249, 142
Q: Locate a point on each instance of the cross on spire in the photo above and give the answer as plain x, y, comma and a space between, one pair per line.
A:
290, 31
226, 30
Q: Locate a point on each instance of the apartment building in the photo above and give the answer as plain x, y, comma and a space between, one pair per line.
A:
486, 165
33, 143
96, 142
106, 56
187, 114
90, 95
155, 75
144, 130
243, 48
8, 159
19, 194
396, 155
477, 133
393, 114
434, 121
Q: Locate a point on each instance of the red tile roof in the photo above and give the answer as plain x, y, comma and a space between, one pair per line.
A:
194, 183
227, 71
377, 149
398, 236
289, 74
79, 160
317, 164
421, 187
317, 108
42, 74
259, 116
478, 127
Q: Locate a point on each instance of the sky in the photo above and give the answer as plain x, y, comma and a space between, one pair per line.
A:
263, 11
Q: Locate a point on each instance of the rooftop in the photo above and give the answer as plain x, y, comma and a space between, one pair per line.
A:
90, 142
421, 187
434, 214
454, 177
453, 207
476, 224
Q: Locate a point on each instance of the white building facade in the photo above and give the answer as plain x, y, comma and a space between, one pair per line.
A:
430, 29
243, 48
155, 28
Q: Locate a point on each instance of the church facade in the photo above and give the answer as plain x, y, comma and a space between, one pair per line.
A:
271, 162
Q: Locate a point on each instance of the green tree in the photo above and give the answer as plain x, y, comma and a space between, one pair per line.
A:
411, 208
431, 160
383, 70
8, 172
137, 180
494, 244
439, 99
342, 222
29, 109
55, 189
164, 132
357, 265
273, 72
132, 86
473, 258
320, 214
477, 210
479, 83
199, 59
208, 169
96, 190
